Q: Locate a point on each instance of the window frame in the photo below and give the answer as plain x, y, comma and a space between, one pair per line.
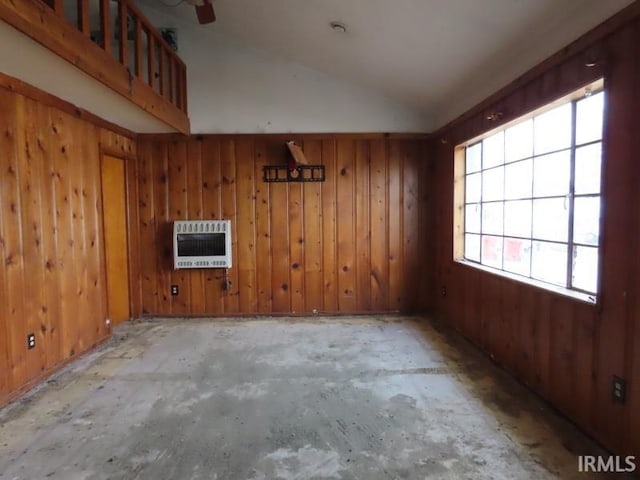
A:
459, 224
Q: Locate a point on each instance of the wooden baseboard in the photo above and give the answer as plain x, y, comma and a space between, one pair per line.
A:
45, 374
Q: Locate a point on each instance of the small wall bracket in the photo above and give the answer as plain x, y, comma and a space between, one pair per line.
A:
301, 173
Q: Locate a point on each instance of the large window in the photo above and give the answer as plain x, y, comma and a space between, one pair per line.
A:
532, 195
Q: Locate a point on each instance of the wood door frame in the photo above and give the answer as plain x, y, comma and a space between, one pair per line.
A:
133, 240
126, 158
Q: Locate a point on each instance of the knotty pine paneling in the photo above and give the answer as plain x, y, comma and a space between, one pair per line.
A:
349, 245
312, 219
563, 349
632, 347
52, 274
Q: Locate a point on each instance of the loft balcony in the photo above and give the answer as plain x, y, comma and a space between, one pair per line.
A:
112, 42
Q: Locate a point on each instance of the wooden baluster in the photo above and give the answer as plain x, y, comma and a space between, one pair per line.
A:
151, 59
179, 99
138, 49
122, 13
172, 76
84, 24
105, 25
178, 85
183, 88
176, 82
169, 77
163, 83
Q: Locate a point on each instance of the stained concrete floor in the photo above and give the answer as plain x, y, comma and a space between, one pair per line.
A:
322, 398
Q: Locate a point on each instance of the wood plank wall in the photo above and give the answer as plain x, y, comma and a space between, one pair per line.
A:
51, 243
352, 244
52, 30
565, 350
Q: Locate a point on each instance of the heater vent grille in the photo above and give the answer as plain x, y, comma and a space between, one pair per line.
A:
202, 244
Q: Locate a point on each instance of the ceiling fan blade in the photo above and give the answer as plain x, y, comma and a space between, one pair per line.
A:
205, 13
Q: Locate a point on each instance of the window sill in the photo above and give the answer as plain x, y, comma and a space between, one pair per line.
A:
580, 296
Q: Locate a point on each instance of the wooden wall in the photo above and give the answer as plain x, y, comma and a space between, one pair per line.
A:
51, 247
563, 349
352, 244
375, 237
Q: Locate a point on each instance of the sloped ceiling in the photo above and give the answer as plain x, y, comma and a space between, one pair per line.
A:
272, 66
436, 57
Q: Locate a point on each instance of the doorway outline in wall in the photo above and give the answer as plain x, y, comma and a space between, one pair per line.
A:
115, 233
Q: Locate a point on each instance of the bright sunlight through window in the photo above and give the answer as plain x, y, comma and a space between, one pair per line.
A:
532, 199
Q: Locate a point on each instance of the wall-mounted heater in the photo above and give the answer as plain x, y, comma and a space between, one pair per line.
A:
202, 244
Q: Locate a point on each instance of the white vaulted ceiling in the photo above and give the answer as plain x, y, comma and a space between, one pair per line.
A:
270, 66
435, 57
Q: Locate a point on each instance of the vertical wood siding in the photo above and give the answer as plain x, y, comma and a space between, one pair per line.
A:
52, 281
566, 350
349, 245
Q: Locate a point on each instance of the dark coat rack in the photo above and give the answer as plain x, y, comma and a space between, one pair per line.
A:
296, 170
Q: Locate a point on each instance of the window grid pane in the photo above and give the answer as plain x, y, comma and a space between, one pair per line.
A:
532, 196
473, 158
589, 118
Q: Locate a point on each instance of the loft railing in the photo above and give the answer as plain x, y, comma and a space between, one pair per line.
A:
111, 41
121, 30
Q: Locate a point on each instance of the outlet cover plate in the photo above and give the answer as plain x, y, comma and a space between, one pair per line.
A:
619, 389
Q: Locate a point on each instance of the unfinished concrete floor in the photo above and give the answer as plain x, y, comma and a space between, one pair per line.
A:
343, 398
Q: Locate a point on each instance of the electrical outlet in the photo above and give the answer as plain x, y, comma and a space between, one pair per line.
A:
619, 389
31, 341
443, 291
174, 290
